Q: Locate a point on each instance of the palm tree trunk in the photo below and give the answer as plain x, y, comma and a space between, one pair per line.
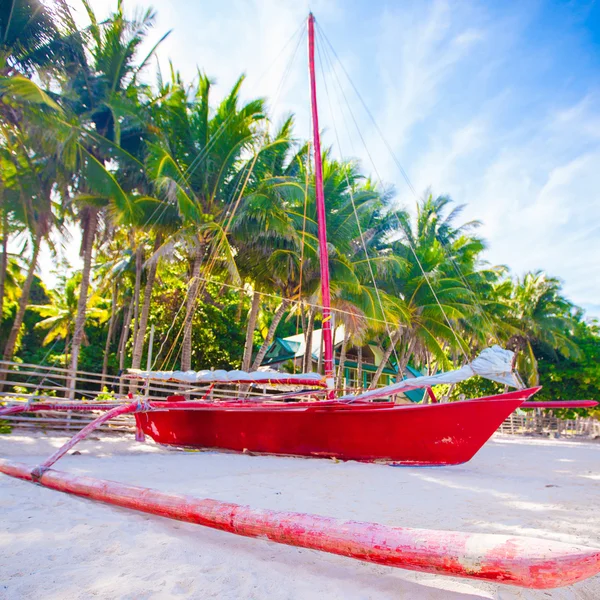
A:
399, 369
186, 351
405, 358
109, 334
307, 359
320, 357
89, 233
139, 260
302, 314
342, 365
4, 259
67, 342
138, 348
270, 334
359, 369
386, 357
123, 341
9, 349
252, 318
240, 310
446, 396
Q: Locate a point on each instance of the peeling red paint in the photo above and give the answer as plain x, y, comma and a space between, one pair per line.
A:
521, 561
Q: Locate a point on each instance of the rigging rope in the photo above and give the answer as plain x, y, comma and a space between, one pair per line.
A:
351, 193
382, 184
214, 254
294, 300
404, 174
228, 215
307, 169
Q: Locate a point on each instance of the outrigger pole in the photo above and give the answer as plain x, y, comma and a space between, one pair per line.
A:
321, 220
521, 561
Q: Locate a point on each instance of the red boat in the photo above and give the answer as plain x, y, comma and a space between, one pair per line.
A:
349, 428
434, 434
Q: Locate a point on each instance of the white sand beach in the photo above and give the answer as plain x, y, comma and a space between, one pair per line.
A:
55, 546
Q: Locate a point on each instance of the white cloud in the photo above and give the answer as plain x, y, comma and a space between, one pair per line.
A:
416, 57
524, 159
437, 168
541, 210
583, 118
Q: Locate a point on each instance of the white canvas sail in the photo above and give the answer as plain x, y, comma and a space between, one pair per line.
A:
221, 376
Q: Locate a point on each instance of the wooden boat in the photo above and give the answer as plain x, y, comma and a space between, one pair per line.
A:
513, 560
351, 429
434, 434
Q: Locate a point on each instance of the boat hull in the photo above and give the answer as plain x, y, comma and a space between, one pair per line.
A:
434, 434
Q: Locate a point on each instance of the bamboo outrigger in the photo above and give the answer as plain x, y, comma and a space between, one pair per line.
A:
521, 561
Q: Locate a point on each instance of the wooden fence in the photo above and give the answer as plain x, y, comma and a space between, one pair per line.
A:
542, 423
515, 424
68, 421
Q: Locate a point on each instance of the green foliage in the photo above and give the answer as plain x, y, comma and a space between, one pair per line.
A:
475, 387
28, 338
29, 36
59, 315
9, 310
561, 378
106, 395
21, 89
574, 379
217, 338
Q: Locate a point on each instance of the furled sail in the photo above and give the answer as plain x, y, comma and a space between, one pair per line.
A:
221, 376
493, 363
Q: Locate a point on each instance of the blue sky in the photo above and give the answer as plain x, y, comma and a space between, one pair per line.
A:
494, 103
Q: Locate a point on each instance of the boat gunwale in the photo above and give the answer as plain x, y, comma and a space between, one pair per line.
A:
341, 407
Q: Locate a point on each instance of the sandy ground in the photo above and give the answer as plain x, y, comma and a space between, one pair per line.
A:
56, 546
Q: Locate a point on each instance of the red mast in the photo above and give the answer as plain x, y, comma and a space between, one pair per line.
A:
320, 197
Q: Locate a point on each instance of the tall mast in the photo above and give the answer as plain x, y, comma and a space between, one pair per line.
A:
320, 198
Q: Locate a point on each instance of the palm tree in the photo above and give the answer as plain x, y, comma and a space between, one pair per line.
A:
114, 269
12, 290
35, 171
199, 167
540, 318
30, 37
29, 31
264, 231
360, 226
433, 293
157, 220
11, 219
275, 233
103, 94
59, 315
360, 221
29, 45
